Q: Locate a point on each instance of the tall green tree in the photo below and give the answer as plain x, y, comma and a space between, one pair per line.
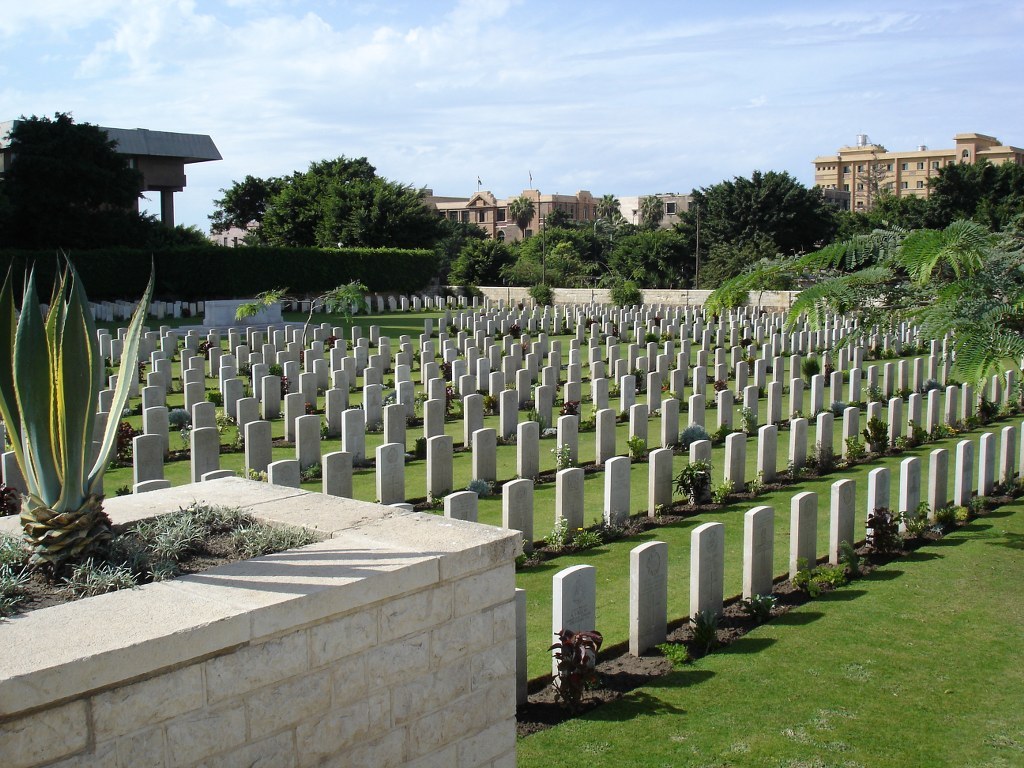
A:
652, 211
521, 210
67, 187
651, 258
769, 207
991, 195
480, 263
608, 208
243, 202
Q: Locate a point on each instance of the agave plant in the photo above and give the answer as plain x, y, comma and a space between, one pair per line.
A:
51, 373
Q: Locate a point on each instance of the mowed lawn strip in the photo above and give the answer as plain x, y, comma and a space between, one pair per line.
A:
917, 665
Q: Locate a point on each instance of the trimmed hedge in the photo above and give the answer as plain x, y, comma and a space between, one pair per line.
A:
216, 272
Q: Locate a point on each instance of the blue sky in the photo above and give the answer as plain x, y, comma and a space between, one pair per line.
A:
627, 98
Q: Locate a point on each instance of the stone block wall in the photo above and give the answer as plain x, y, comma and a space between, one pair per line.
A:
771, 301
390, 643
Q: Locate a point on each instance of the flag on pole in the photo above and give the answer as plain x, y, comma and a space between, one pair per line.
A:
531, 179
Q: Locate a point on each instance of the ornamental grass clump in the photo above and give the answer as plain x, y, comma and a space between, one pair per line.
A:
51, 372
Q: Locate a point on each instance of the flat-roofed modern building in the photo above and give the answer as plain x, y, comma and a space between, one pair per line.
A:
159, 156
867, 169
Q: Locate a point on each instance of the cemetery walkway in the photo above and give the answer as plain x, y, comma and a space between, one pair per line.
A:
919, 664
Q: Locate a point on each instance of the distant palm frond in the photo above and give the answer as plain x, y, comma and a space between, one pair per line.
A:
837, 295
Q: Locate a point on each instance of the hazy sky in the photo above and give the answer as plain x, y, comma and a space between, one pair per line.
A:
627, 98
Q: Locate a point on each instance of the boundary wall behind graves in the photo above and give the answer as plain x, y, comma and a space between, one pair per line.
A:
768, 300
390, 643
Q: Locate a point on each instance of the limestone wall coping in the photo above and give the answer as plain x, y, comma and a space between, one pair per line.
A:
374, 553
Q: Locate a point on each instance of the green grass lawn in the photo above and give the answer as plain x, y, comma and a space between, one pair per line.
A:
917, 665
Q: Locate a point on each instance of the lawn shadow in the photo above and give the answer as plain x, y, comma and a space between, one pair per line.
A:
797, 618
681, 678
632, 705
747, 645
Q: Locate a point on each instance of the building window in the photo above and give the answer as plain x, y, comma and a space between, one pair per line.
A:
860, 187
500, 215
920, 165
860, 203
903, 185
904, 166
860, 169
501, 236
846, 187
935, 164
465, 217
920, 185
846, 169
670, 209
528, 233
888, 167
481, 216
966, 154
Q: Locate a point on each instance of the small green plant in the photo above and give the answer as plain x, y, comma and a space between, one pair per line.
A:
694, 482
311, 473
704, 625
822, 578
945, 517
748, 420
692, 434
810, 368
420, 448
563, 457
90, 578
480, 487
559, 537
259, 539
677, 653
759, 607
916, 522
215, 397
255, 474
587, 538
884, 531
850, 559
721, 492
756, 486
876, 433
963, 514
637, 448
854, 450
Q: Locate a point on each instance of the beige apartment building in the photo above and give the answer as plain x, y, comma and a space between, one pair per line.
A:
854, 176
491, 214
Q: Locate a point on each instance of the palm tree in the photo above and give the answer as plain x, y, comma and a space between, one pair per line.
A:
521, 210
652, 210
961, 280
608, 208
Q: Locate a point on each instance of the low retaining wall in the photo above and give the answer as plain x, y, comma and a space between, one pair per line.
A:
769, 300
390, 643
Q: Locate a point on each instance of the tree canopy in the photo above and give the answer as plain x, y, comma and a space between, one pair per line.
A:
770, 209
67, 187
342, 200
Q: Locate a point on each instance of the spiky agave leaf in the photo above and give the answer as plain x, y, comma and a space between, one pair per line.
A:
129, 364
8, 398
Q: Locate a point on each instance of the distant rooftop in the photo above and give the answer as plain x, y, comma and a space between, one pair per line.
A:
142, 142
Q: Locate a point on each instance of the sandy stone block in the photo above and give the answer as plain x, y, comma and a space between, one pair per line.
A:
445, 758
483, 590
131, 707
44, 736
495, 663
508, 760
103, 756
202, 733
322, 739
288, 703
256, 666
385, 752
342, 637
430, 692
459, 637
275, 752
349, 678
392, 663
415, 613
481, 749
504, 620
142, 749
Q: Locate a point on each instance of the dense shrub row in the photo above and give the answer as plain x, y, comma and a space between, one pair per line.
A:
215, 272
